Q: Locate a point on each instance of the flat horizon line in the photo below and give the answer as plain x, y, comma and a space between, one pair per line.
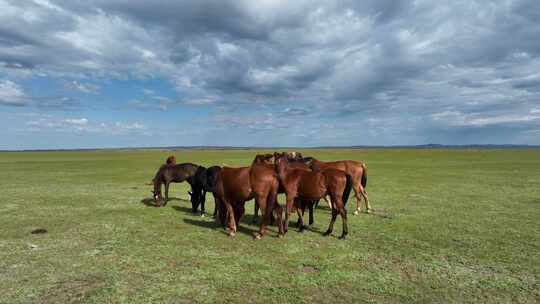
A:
204, 147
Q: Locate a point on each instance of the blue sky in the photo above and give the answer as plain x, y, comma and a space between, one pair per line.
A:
116, 73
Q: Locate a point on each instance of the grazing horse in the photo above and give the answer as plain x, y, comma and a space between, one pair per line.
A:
167, 174
235, 186
204, 181
357, 170
313, 185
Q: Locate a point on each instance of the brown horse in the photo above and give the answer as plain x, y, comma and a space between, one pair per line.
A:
313, 185
235, 186
294, 162
167, 174
358, 172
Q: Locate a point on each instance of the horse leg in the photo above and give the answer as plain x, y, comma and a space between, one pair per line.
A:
222, 213
242, 211
279, 210
166, 194
332, 221
216, 205
327, 202
345, 231
255, 213
364, 194
203, 200
300, 222
288, 211
238, 212
299, 209
232, 221
310, 209
264, 210
357, 191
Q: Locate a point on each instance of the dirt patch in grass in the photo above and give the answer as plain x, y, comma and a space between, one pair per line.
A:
309, 269
72, 291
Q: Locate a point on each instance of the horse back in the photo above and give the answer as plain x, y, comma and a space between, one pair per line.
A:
234, 183
307, 184
181, 172
263, 178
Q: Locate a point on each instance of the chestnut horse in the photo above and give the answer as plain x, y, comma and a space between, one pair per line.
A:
358, 172
235, 186
295, 161
313, 185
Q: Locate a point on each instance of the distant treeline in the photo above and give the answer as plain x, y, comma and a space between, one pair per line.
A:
172, 148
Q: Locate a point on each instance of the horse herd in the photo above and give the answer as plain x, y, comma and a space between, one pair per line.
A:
303, 180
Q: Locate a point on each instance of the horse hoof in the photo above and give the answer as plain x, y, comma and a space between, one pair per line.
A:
342, 237
280, 236
258, 236
202, 215
355, 212
232, 234
327, 233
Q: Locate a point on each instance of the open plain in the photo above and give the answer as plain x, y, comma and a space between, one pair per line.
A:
449, 226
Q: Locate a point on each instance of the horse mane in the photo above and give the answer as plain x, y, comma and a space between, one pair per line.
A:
171, 160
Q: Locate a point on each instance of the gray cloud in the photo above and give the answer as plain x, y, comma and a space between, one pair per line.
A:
399, 63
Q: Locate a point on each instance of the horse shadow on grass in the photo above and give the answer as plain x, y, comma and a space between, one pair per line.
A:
382, 213
199, 221
213, 225
149, 201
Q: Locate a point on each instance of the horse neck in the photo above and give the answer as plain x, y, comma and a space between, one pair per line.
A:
281, 171
158, 180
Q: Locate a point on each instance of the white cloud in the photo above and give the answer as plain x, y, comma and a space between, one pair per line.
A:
12, 94
87, 88
83, 125
456, 118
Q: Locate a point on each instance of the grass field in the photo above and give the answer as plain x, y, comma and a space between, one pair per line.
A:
450, 226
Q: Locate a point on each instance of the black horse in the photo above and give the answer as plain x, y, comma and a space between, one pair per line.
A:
203, 181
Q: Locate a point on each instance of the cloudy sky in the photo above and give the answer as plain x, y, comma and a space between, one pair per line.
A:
116, 73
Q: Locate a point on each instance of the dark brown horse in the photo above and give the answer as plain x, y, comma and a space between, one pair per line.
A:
202, 182
313, 185
172, 174
235, 186
358, 172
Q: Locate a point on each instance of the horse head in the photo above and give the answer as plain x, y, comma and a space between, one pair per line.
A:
281, 161
264, 159
195, 199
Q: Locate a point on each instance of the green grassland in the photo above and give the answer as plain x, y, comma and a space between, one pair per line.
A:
458, 226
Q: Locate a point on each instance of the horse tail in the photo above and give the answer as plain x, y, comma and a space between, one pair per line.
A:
347, 191
211, 178
364, 175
